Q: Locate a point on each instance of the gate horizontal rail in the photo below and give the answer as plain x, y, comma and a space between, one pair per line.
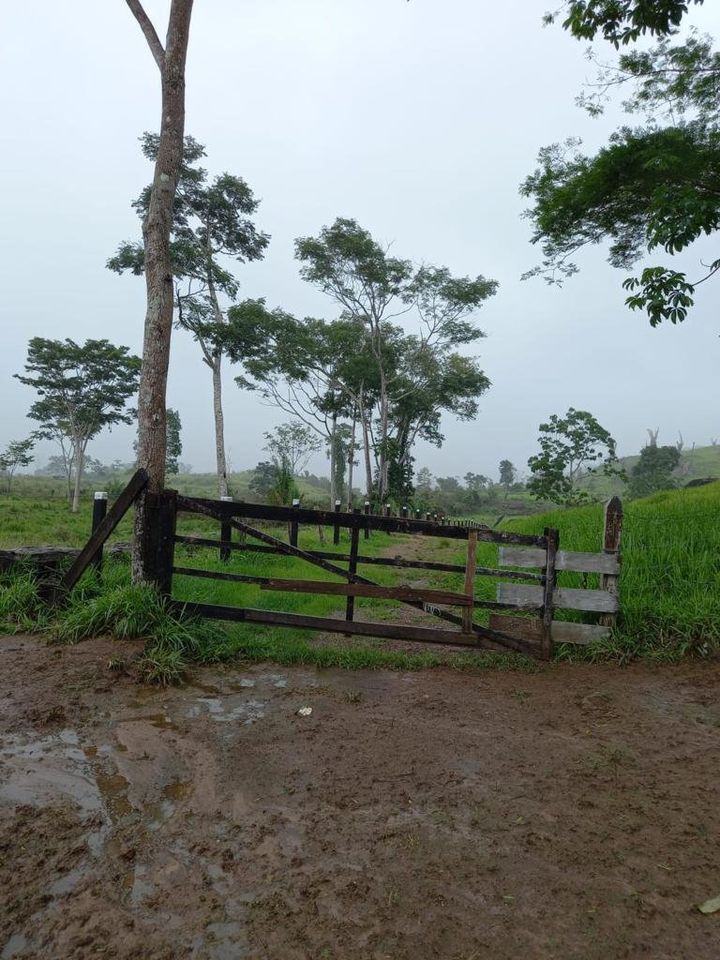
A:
538, 597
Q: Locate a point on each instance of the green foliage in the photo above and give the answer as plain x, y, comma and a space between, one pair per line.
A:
651, 187
507, 474
18, 453
569, 445
21, 605
653, 471
623, 21
363, 367
173, 449
291, 445
211, 219
81, 390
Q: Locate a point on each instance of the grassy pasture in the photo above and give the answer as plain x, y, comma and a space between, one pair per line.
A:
670, 585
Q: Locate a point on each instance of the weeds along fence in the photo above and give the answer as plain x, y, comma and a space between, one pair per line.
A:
521, 617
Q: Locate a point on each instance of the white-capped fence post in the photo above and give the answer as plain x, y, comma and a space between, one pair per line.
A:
100, 505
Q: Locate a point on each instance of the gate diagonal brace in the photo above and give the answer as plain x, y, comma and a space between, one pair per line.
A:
482, 633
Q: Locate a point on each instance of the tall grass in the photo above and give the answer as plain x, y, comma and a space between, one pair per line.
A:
670, 582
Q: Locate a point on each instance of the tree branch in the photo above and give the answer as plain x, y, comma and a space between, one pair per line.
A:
156, 48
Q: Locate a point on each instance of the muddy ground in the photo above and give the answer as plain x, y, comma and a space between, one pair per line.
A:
567, 814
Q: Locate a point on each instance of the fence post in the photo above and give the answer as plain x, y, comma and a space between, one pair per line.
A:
165, 518
100, 505
612, 534
367, 514
470, 566
404, 513
388, 512
553, 542
336, 529
352, 566
225, 535
294, 526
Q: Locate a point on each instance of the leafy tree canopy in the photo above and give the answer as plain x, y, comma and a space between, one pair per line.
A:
291, 445
570, 447
623, 21
653, 187
18, 453
653, 471
507, 474
81, 389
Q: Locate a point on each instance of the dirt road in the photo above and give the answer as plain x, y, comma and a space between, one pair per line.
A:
571, 814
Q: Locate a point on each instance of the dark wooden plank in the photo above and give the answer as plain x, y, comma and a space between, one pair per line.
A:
257, 511
391, 631
117, 511
218, 575
401, 592
470, 566
352, 570
372, 561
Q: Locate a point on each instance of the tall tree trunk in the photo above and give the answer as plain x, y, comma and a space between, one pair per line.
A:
333, 461
219, 426
383, 466
368, 461
79, 463
220, 457
351, 461
158, 266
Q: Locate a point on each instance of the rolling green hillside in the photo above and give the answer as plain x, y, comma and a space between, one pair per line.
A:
698, 464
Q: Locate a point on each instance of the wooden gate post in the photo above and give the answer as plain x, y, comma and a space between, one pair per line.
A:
165, 518
367, 514
294, 527
352, 567
470, 567
336, 528
612, 535
225, 535
553, 542
100, 505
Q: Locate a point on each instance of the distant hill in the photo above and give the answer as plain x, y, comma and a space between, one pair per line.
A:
698, 464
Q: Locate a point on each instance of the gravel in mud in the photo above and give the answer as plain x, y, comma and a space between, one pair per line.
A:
571, 814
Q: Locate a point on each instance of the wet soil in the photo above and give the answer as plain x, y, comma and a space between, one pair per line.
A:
570, 814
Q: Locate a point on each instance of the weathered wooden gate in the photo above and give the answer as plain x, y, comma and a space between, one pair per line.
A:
526, 572
234, 516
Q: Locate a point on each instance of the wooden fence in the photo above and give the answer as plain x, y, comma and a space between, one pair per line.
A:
526, 572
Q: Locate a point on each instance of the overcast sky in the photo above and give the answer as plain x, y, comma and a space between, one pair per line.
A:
418, 119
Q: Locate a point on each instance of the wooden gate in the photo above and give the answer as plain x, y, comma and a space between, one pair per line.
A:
526, 572
453, 608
